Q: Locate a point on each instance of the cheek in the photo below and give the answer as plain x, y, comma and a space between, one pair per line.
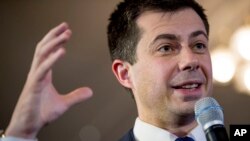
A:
152, 79
210, 76
149, 90
144, 78
208, 68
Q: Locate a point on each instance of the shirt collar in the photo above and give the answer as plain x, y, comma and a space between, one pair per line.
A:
147, 132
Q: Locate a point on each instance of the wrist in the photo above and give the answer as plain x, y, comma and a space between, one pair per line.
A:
19, 133
4, 137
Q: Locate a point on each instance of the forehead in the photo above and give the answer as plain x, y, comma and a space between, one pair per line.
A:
180, 22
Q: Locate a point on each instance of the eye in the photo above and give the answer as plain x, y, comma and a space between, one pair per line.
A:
200, 47
166, 49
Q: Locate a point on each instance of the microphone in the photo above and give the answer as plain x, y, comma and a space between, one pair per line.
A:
209, 115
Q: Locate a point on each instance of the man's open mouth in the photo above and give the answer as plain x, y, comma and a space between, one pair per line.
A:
188, 86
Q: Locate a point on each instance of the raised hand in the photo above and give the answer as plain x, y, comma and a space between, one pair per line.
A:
39, 102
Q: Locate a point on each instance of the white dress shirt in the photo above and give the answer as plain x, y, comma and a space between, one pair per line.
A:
147, 132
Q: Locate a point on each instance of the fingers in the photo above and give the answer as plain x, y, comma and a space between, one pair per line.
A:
46, 65
78, 95
54, 32
54, 39
53, 44
50, 49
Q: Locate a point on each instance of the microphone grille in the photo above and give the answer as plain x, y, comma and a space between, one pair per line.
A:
208, 112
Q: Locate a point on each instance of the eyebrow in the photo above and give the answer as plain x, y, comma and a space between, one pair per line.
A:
197, 33
165, 36
175, 37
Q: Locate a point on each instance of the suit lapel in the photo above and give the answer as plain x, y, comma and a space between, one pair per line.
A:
129, 136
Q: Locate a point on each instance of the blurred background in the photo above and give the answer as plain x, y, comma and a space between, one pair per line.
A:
111, 112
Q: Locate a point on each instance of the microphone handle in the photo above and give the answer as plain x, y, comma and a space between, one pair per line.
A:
216, 132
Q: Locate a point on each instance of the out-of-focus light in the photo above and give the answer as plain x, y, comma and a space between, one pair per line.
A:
241, 41
223, 64
246, 78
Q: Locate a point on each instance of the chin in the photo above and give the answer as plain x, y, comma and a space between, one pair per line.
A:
187, 112
191, 98
188, 107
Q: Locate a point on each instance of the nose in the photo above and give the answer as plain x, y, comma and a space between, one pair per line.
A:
188, 60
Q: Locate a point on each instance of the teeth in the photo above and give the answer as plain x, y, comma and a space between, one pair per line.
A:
191, 86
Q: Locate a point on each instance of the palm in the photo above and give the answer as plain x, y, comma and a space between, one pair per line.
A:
52, 104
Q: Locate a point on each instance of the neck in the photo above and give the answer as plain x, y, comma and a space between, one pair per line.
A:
178, 125
181, 126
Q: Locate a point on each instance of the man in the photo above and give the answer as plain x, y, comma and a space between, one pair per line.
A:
159, 50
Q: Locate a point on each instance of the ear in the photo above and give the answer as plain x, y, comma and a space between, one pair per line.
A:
121, 70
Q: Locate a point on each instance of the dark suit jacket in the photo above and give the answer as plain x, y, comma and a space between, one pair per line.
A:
129, 136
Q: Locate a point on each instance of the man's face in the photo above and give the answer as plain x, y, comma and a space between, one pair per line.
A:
173, 68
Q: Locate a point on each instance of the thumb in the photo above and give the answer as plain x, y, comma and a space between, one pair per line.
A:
78, 95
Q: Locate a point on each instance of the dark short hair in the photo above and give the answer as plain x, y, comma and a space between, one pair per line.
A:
124, 33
